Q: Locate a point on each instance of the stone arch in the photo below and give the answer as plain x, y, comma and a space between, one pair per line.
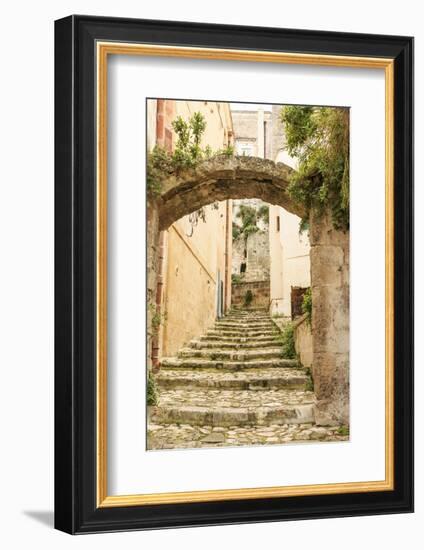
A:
225, 177
222, 178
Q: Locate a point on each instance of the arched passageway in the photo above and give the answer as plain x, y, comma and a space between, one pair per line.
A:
226, 177
222, 178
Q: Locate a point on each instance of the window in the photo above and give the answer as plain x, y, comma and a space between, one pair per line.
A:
245, 149
278, 223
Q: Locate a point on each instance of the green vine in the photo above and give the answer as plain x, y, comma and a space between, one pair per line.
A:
157, 318
188, 152
307, 305
236, 279
319, 138
250, 217
152, 390
248, 298
288, 350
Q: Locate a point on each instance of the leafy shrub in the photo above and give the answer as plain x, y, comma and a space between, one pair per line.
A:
157, 318
319, 138
250, 216
343, 430
188, 152
248, 298
152, 391
309, 386
287, 341
159, 163
307, 305
235, 279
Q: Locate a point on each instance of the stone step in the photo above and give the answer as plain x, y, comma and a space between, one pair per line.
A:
244, 333
232, 407
252, 379
245, 326
199, 363
232, 344
247, 310
184, 436
246, 320
228, 320
231, 355
241, 315
216, 337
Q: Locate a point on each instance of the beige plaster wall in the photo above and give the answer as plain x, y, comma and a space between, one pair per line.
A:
289, 250
193, 256
249, 132
290, 260
276, 262
151, 123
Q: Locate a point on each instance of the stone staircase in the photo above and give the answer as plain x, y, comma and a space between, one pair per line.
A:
232, 386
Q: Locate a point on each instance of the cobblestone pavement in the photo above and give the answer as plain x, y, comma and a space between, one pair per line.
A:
217, 399
234, 387
243, 379
186, 436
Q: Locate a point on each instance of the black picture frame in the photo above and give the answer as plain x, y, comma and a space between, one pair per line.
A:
75, 275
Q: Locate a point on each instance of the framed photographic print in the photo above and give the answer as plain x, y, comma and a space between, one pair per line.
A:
233, 267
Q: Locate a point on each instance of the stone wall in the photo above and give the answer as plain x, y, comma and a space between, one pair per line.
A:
303, 342
153, 235
259, 289
239, 255
330, 320
253, 253
257, 257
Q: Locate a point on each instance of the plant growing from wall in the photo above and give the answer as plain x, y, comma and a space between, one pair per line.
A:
157, 318
263, 214
235, 278
250, 218
152, 391
236, 231
307, 305
319, 138
309, 386
343, 430
159, 163
248, 298
187, 154
288, 350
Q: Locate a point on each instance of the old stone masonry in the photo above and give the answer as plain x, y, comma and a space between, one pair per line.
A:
231, 387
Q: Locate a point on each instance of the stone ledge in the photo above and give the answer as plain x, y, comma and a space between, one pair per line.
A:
260, 416
229, 365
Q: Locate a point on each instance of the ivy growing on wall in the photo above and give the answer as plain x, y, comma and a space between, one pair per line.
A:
319, 138
307, 305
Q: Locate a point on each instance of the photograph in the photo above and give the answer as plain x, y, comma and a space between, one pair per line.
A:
247, 274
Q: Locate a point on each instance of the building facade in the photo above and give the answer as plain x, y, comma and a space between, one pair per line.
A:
195, 255
259, 132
